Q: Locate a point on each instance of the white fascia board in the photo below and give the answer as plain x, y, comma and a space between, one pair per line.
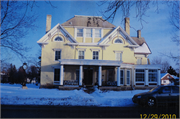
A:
67, 33
52, 32
127, 35
87, 44
89, 62
155, 66
104, 39
114, 31
133, 46
45, 37
165, 75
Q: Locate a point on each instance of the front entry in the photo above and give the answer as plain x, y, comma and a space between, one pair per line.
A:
88, 76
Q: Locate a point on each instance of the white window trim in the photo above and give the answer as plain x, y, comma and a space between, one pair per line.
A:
121, 77
120, 56
152, 73
137, 60
77, 32
144, 77
55, 53
84, 53
95, 33
98, 54
91, 32
118, 43
129, 77
94, 49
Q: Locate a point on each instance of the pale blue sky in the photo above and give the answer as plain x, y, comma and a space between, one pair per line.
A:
157, 32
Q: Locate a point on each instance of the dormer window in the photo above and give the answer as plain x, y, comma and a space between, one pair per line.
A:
118, 41
58, 39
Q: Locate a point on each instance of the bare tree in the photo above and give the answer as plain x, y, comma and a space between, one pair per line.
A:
16, 21
164, 64
17, 18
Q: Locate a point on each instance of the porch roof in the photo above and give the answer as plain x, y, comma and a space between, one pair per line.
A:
89, 62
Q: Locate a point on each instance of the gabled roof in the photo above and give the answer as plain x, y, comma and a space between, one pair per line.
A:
88, 21
123, 33
54, 30
165, 74
143, 49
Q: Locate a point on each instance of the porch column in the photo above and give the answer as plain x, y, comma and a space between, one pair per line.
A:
118, 76
146, 77
99, 76
134, 80
80, 75
125, 77
61, 75
159, 77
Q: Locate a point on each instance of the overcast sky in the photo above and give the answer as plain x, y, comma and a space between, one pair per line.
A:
157, 31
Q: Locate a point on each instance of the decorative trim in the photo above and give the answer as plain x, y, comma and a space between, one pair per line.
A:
93, 49
56, 49
117, 51
84, 49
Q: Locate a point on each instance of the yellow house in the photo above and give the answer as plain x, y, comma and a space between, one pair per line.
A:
89, 51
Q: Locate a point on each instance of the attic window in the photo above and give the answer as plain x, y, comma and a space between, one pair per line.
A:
118, 41
58, 39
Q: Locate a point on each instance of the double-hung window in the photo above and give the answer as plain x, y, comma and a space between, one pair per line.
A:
81, 54
57, 55
95, 55
152, 75
139, 60
140, 75
97, 33
128, 77
119, 56
79, 32
56, 74
88, 32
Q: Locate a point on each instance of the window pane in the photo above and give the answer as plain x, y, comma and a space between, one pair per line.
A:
139, 75
79, 32
97, 33
57, 55
58, 39
95, 54
88, 32
118, 41
56, 74
81, 54
122, 77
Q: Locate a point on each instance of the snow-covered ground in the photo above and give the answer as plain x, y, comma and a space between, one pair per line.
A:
15, 95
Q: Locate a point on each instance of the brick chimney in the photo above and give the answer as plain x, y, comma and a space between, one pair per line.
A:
138, 33
48, 23
127, 25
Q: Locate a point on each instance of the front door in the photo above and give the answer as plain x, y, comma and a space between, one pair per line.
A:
88, 76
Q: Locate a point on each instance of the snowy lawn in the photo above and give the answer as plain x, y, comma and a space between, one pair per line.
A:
14, 94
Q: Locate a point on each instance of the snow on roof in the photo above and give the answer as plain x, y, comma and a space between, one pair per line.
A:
163, 74
142, 49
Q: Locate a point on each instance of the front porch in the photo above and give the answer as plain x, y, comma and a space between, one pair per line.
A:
105, 74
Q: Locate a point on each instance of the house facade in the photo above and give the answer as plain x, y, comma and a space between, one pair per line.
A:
89, 51
166, 79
